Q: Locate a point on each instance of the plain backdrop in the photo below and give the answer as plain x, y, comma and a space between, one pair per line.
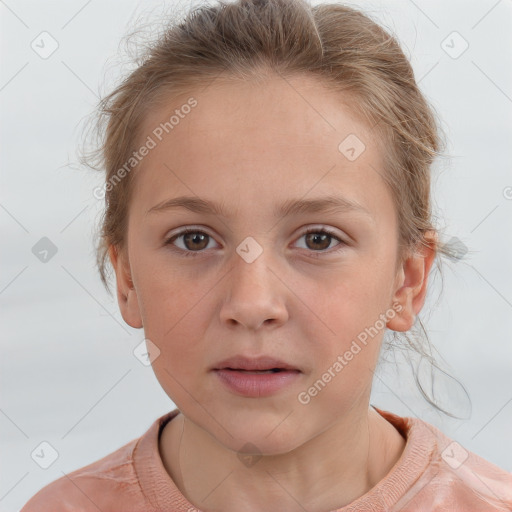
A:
68, 373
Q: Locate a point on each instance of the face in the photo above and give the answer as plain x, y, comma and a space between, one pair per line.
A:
250, 280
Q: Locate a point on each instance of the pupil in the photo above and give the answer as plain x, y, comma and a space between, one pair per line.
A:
194, 237
316, 236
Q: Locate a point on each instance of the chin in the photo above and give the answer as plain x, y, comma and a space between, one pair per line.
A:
259, 436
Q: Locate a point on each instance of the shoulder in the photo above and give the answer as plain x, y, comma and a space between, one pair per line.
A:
436, 473
107, 482
458, 479
474, 481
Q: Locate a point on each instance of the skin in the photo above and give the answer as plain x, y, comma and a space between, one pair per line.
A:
251, 147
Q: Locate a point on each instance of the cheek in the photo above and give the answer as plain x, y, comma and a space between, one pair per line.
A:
174, 318
344, 349
169, 299
349, 300
346, 318
175, 325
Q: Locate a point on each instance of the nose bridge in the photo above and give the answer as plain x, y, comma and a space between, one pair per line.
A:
253, 262
254, 294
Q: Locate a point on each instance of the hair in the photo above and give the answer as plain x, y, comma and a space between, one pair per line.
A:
250, 40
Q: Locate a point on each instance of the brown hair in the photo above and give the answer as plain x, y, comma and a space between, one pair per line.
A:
251, 39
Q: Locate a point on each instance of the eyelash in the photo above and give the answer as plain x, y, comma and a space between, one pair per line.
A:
315, 254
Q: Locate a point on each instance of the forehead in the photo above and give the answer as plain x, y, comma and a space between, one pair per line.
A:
249, 141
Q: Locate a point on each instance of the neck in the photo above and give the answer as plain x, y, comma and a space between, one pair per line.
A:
326, 473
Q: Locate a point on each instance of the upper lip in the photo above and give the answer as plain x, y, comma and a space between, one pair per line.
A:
240, 362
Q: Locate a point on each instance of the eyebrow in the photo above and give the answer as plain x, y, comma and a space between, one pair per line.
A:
325, 204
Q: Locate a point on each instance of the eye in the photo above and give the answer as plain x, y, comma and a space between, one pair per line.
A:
321, 238
195, 241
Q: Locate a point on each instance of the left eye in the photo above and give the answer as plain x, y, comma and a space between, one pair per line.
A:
321, 238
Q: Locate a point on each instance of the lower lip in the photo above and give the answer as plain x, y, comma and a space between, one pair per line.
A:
257, 385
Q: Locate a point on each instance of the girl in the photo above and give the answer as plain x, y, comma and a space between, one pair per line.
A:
292, 146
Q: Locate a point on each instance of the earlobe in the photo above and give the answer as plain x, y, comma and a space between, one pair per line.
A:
413, 279
126, 293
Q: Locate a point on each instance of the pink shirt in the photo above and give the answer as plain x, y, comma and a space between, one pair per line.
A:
433, 473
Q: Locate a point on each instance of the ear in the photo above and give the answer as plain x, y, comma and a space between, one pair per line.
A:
126, 293
412, 281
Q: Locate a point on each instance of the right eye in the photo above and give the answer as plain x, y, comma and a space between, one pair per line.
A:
193, 241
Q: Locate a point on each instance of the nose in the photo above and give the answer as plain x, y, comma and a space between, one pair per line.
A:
255, 295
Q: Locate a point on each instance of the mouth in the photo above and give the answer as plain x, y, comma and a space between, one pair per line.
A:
257, 372
257, 383
255, 365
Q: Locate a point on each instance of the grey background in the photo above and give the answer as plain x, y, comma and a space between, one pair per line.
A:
68, 373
